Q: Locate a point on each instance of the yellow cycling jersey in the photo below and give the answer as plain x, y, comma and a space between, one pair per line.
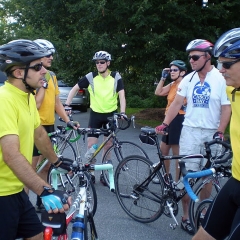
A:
235, 131
19, 116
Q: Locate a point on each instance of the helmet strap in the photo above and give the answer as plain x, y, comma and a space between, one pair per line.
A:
28, 87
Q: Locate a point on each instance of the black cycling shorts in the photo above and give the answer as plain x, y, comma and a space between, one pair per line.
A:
18, 217
98, 120
49, 129
174, 131
223, 216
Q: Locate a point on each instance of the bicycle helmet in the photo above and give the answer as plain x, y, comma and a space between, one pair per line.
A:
20, 52
228, 45
45, 44
102, 55
200, 45
180, 64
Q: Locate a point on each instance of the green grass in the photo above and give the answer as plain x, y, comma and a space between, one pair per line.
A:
141, 122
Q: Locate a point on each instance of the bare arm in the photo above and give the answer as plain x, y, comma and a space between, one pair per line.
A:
72, 93
225, 117
162, 91
39, 97
122, 100
174, 109
60, 110
19, 164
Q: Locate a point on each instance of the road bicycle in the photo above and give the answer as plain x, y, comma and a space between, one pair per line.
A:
203, 205
81, 210
145, 201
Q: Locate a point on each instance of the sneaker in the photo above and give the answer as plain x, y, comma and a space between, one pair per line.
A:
102, 180
156, 180
186, 226
39, 209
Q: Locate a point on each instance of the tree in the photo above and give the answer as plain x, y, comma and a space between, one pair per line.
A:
143, 36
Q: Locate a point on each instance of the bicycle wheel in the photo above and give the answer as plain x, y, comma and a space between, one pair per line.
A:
70, 184
90, 232
201, 211
144, 203
205, 189
63, 147
119, 151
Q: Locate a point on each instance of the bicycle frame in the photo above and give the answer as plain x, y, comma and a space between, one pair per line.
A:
81, 202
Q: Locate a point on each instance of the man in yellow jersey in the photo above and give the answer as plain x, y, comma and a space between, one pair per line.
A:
48, 102
105, 87
222, 220
19, 129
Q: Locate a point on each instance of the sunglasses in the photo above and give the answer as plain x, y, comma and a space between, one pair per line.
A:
48, 56
226, 65
174, 70
194, 57
37, 67
100, 62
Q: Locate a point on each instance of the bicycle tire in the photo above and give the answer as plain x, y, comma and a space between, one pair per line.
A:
145, 205
210, 192
64, 185
90, 232
119, 151
201, 211
63, 147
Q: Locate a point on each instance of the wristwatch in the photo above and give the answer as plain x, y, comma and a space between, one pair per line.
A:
66, 105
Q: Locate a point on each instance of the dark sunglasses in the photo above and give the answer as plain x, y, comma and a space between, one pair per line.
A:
36, 67
48, 56
174, 70
194, 57
226, 65
100, 62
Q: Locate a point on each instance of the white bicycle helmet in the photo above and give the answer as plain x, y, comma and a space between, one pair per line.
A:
102, 55
45, 44
200, 45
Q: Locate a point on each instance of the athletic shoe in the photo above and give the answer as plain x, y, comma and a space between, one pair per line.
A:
186, 226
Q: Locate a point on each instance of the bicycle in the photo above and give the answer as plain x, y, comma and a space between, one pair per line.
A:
139, 197
202, 206
84, 227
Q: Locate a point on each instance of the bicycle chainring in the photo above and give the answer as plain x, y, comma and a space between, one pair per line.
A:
173, 204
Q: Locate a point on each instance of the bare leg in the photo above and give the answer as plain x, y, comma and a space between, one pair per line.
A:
185, 205
175, 150
165, 151
202, 234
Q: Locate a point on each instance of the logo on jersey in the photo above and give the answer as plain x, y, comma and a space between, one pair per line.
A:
201, 95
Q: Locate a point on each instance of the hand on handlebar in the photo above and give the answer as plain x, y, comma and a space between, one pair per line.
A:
218, 135
162, 129
62, 165
73, 124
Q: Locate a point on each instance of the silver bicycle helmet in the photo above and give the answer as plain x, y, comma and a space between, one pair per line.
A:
102, 55
200, 45
20, 52
45, 44
228, 45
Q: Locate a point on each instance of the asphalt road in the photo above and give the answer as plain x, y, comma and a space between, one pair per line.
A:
111, 221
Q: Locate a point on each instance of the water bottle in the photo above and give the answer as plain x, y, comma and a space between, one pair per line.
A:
91, 151
78, 228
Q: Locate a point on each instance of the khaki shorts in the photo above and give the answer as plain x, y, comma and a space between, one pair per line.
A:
192, 142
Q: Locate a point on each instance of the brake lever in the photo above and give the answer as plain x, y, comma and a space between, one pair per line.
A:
133, 121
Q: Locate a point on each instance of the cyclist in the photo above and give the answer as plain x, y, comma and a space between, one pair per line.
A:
104, 87
222, 218
19, 129
208, 109
48, 102
177, 70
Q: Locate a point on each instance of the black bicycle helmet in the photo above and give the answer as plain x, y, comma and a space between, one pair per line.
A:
200, 45
180, 64
102, 55
20, 52
228, 45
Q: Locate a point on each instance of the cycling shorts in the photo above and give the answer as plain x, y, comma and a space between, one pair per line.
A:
48, 128
99, 120
223, 216
192, 142
174, 131
18, 217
